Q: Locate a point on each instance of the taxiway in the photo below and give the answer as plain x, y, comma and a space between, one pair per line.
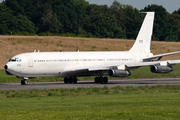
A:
111, 83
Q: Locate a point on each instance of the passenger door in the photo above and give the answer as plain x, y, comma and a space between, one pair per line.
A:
30, 61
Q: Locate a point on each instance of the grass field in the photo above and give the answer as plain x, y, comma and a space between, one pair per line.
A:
135, 103
143, 72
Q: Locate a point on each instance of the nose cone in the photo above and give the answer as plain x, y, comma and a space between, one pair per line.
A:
5, 67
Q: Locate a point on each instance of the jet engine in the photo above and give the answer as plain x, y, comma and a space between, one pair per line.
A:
118, 73
161, 69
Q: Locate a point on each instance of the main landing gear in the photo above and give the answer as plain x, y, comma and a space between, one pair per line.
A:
101, 80
24, 82
70, 80
96, 80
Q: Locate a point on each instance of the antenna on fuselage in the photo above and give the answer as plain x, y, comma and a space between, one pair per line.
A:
35, 50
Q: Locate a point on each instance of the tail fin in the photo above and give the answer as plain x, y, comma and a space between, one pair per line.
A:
143, 40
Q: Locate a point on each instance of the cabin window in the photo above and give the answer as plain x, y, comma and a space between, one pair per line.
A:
18, 60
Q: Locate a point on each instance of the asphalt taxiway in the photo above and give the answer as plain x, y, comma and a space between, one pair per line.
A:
111, 83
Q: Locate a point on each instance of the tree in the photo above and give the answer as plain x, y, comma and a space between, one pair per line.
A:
5, 19
128, 18
15, 6
174, 33
117, 6
50, 22
71, 13
94, 9
103, 26
177, 12
133, 22
161, 23
11, 24
22, 24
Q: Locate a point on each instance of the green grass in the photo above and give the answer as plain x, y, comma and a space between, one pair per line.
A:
136, 103
143, 72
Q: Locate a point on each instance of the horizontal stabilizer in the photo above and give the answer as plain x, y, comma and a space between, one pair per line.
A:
158, 57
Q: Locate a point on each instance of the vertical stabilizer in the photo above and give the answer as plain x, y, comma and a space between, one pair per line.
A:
143, 40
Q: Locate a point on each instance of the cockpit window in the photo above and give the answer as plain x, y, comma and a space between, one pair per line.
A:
15, 60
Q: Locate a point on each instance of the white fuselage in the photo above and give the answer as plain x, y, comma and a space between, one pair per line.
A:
49, 64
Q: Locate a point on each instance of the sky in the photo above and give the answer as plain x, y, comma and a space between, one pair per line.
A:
169, 5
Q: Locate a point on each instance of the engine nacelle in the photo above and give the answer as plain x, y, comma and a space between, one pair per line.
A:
118, 73
161, 69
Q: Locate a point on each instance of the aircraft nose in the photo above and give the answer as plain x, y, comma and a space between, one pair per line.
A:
6, 70
5, 67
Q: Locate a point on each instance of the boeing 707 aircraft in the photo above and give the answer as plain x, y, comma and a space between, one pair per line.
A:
71, 65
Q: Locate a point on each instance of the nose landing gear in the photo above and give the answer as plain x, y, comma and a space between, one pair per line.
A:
24, 82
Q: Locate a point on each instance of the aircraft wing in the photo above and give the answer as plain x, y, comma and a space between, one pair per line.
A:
71, 70
93, 70
164, 63
158, 57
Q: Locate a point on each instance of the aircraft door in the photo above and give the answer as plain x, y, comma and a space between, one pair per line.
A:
134, 58
30, 61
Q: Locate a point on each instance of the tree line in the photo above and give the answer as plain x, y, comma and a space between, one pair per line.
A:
79, 18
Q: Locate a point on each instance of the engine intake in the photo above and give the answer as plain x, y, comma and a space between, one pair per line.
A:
161, 69
118, 73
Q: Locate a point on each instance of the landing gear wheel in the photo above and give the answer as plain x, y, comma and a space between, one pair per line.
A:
105, 80
66, 80
70, 80
24, 82
74, 80
96, 80
101, 80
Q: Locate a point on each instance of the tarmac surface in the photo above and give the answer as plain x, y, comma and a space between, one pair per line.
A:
111, 83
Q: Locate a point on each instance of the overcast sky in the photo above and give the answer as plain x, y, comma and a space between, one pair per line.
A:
170, 5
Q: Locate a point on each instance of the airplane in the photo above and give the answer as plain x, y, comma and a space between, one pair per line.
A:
71, 65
